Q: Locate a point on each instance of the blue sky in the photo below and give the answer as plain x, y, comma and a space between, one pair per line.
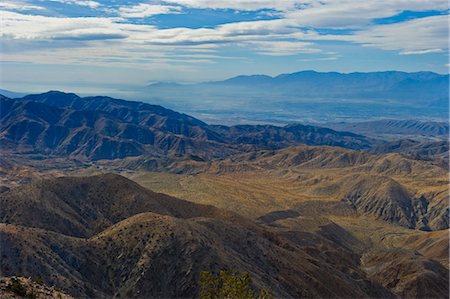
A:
99, 46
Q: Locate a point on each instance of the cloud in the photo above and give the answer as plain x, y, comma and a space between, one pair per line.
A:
323, 13
89, 36
418, 36
354, 14
299, 29
420, 52
88, 3
147, 10
34, 27
331, 58
19, 6
246, 5
284, 48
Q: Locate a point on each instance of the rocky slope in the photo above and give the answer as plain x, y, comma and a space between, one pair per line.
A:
392, 127
21, 287
155, 246
436, 151
391, 187
95, 128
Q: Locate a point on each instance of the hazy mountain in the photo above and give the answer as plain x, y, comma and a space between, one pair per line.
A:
11, 94
388, 85
311, 96
391, 128
105, 128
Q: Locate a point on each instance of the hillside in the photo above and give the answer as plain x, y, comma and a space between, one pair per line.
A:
401, 129
390, 186
126, 258
97, 128
28, 126
435, 151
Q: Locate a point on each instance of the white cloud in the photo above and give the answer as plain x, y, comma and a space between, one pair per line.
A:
34, 27
88, 3
19, 5
331, 58
418, 36
248, 5
354, 14
284, 48
323, 13
143, 10
420, 52
99, 38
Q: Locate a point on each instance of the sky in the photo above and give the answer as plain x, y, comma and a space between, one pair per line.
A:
95, 46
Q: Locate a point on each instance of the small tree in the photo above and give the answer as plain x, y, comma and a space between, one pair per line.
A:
229, 286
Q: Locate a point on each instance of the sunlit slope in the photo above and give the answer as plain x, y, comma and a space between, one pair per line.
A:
390, 187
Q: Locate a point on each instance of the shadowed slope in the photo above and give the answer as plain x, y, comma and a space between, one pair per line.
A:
155, 245
95, 128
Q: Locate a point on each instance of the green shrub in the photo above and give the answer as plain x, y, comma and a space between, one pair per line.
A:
18, 288
39, 280
31, 295
229, 286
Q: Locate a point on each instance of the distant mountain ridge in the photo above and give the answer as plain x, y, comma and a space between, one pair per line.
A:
396, 127
333, 84
320, 97
106, 128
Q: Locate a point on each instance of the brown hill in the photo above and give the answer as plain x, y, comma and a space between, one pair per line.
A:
392, 187
381, 197
155, 245
83, 206
407, 273
436, 151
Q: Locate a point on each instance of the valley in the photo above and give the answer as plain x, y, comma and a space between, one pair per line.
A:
101, 195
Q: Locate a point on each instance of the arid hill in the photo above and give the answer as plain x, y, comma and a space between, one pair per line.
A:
132, 235
392, 187
435, 151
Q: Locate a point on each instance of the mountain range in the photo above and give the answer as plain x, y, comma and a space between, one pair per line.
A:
102, 197
309, 96
106, 236
94, 128
388, 85
394, 128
